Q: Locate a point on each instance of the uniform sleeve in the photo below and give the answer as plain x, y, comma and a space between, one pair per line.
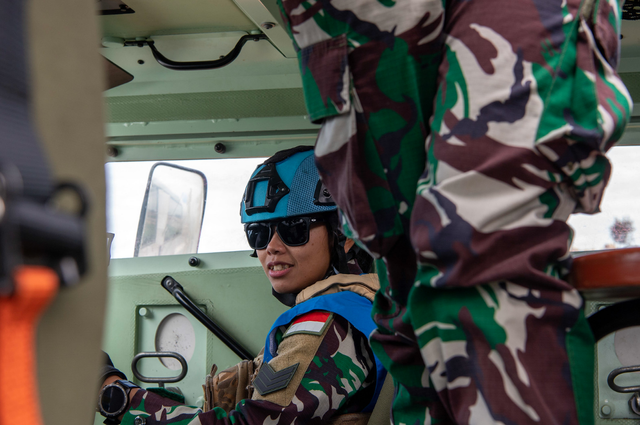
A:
333, 373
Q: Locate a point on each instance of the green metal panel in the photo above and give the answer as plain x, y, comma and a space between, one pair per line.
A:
206, 106
632, 81
243, 138
260, 65
232, 287
607, 400
153, 17
148, 319
265, 14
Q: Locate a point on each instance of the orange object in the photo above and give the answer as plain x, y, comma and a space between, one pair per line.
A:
35, 287
607, 274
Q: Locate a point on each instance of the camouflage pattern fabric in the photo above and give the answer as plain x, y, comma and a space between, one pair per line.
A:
457, 138
337, 379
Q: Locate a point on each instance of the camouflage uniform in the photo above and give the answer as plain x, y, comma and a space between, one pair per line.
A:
457, 138
333, 370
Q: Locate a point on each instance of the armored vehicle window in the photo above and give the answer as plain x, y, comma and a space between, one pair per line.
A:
221, 229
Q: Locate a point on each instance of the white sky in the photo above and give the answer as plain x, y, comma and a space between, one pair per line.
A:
221, 229
226, 180
621, 200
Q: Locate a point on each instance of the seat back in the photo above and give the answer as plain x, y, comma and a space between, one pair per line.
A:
605, 275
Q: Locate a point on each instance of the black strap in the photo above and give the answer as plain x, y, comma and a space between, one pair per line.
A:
18, 142
30, 233
617, 316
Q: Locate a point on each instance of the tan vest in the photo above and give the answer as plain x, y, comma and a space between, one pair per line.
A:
365, 285
234, 384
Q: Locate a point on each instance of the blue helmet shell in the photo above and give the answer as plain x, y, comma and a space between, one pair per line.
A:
285, 186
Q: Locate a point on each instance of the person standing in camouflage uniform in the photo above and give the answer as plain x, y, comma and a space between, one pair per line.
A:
457, 137
318, 366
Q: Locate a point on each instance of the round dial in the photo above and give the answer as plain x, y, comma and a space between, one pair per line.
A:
627, 346
175, 333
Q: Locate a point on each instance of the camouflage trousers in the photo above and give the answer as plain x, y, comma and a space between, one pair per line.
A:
457, 138
498, 353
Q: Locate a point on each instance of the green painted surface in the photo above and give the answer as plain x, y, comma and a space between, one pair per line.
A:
170, 17
606, 360
632, 81
202, 106
231, 287
259, 66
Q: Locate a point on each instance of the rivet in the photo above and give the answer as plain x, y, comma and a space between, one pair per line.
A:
267, 25
220, 148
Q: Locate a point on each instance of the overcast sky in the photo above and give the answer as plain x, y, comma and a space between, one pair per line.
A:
226, 179
221, 230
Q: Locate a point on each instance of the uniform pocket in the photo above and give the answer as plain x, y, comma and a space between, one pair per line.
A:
326, 79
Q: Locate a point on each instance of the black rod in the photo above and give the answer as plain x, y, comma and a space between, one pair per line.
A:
175, 289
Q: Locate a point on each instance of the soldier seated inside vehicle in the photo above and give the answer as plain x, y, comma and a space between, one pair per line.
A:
317, 362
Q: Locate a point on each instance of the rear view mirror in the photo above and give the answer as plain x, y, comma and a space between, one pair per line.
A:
172, 211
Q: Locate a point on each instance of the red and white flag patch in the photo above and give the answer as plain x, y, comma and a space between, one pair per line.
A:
312, 323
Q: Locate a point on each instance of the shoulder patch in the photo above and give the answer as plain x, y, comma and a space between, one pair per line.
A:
269, 381
312, 323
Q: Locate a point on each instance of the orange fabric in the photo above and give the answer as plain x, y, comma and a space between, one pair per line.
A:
35, 287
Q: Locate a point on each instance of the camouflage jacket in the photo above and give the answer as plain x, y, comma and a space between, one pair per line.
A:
317, 366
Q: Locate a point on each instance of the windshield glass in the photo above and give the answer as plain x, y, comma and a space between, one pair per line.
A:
221, 228
614, 227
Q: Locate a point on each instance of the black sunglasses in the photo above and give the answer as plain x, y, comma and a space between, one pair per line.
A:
293, 231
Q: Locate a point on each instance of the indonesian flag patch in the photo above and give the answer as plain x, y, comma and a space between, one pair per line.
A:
312, 323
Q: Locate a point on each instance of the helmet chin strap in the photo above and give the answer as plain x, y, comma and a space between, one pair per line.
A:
339, 257
287, 299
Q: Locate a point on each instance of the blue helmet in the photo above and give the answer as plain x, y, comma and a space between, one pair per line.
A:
288, 185
285, 185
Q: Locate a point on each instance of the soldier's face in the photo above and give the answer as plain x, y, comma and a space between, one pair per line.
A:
290, 269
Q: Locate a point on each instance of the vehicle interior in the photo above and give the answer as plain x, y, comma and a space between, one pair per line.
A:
164, 108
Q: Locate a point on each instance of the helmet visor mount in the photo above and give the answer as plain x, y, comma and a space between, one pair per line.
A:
276, 189
293, 231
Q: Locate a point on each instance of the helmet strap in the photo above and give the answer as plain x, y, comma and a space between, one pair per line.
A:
287, 299
338, 256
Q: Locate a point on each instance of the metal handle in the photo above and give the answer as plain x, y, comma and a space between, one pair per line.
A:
161, 381
619, 371
199, 65
175, 289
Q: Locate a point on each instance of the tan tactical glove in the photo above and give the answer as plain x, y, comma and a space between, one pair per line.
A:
231, 385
